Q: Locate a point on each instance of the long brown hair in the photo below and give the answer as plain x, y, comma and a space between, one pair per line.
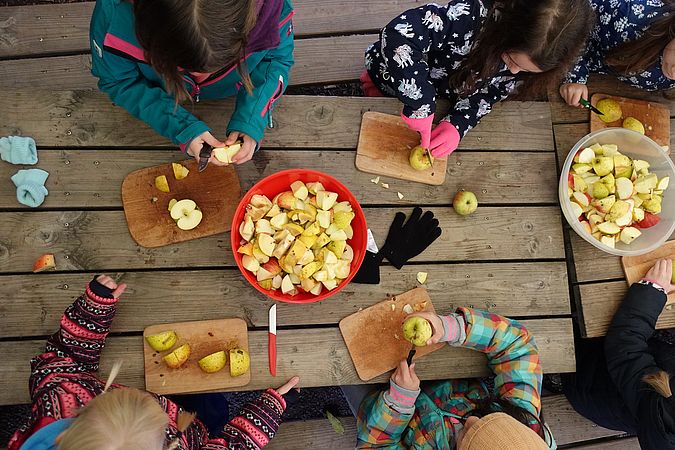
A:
195, 36
635, 56
551, 32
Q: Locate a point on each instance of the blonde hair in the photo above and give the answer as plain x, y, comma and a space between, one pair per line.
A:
124, 418
660, 381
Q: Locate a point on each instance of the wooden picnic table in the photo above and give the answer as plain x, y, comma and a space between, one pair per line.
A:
598, 281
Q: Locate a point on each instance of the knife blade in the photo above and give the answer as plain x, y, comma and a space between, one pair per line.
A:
204, 156
272, 340
586, 104
411, 354
431, 158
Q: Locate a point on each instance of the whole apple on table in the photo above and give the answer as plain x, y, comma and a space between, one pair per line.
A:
613, 196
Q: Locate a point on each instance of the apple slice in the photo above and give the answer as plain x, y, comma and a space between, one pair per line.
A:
624, 188
266, 244
246, 249
604, 205
274, 210
649, 221
602, 165
609, 149
640, 166
581, 169
579, 184
283, 246
179, 171
250, 263
581, 199
299, 189
587, 226
645, 183
330, 284
44, 262
307, 258
608, 228
325, 200
339, 235
186, 213
577, 210
247, 228
225, 154
178, 357
638, 214
279, 221
608, 241
285, 200
662, 185
625, 220
254, 212
323, 218
586, 156
629, 234
162, 183
287, 285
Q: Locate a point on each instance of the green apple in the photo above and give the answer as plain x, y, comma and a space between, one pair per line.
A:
631, 123
600, 190
162, 341
610, 109
465, 203
618, 209
419, 158
623, 166
186, 214
417, 331
603, 165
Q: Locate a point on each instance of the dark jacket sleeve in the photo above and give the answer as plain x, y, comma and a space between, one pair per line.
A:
626, 348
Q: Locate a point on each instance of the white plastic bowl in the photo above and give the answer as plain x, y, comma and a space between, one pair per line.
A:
637, 146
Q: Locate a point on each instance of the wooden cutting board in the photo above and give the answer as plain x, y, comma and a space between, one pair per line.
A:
384, 148
205, 337
216, 191
636, 267
654, 116
374, 337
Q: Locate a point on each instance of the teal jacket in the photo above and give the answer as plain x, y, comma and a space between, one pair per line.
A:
118, 61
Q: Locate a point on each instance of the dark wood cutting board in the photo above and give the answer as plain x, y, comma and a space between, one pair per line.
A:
384, 148
216, 191
205, 337
654, 116
636, 267
374, 337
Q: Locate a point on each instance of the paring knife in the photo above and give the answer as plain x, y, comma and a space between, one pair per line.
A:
272, 340
431, 158
411, 354
586, 104
204, 156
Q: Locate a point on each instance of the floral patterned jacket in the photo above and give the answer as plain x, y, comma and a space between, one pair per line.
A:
420, 48
620, 21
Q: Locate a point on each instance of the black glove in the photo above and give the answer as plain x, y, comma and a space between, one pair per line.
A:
369, 272
405, 241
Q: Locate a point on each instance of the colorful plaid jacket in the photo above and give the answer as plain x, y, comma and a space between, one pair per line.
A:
63, 380
512, 356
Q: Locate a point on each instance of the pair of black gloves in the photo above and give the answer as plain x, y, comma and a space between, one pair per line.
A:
404, 242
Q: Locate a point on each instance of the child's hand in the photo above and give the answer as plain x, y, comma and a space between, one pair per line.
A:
668, 64
290, 384
245, 153
573, 92
117, 289
197, 143
422, 126
436, 325
406, 377
661, 274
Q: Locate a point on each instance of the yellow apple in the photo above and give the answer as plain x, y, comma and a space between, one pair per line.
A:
213, 362
179, 171
186, 214
162, 341
417, 331
419, 158
631, 123
178, 357
240, 361
162, 183
611, 110
225, 154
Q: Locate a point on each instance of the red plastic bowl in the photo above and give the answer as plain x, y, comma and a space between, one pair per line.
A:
280, 182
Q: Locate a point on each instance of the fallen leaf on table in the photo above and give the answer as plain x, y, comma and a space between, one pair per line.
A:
375, 180
422, 277
400, 196
335, 423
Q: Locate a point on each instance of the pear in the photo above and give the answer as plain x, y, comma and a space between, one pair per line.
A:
417, 331
631, 123
611, 110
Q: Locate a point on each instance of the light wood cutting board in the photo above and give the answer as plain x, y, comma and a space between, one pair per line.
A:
374, 337
216, 191
205, 337
636, 267
384, 148
654, 116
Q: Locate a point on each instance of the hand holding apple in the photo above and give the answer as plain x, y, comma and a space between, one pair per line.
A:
436, 325
406, 377
662, 274
247, 148
117, 289
198, 142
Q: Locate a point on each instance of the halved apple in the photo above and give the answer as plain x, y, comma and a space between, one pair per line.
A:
250, 263
225, 154
186, 214
178, 357
179, 171
325, 200
162, 183
213, 362
162, 341
266, 244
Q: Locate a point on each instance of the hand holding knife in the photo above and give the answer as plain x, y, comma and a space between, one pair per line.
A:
204, 156
586, 104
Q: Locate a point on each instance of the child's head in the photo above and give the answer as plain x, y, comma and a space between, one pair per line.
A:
498, 431
543, 37
194, 35
121, 419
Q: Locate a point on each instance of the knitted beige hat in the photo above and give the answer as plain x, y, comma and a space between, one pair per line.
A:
499, 431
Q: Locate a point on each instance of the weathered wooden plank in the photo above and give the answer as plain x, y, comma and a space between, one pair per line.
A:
75, 239
599, 302
316, 433
592, 264
562, 113
299, 351
45, 29
87, 118
92, 178
567, 425
515, 290
338, 58
629, 443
